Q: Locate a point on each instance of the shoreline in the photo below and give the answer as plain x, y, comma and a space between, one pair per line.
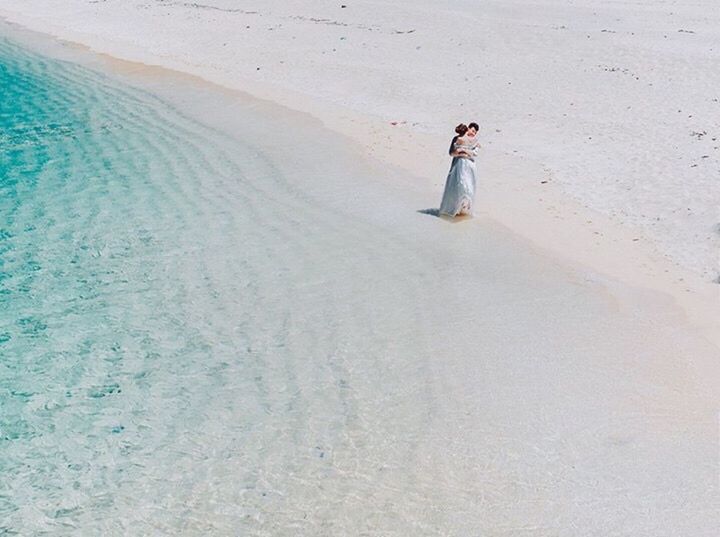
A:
538, 211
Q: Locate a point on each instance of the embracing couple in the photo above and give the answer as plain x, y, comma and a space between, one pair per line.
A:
459, 192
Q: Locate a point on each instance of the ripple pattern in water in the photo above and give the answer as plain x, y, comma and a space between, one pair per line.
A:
169, 329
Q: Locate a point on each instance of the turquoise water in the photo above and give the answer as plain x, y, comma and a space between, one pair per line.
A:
185, 328
108, 222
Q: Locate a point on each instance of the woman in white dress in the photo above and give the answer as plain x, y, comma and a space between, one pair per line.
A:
459, 193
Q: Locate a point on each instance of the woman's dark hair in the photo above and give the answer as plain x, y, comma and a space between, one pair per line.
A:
474, 126
461, 129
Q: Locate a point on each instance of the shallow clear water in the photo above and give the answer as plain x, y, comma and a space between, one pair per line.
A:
119, 254
174, 326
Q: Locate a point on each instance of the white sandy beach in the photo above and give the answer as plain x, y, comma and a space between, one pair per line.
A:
569, 386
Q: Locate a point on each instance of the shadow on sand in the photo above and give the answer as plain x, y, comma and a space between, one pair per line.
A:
453, 219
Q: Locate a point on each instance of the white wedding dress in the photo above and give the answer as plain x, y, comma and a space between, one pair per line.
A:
459, 192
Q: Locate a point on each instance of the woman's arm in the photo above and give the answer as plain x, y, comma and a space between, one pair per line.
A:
462, 151
459, 151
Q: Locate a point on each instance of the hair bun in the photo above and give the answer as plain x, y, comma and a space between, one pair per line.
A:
461, 129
